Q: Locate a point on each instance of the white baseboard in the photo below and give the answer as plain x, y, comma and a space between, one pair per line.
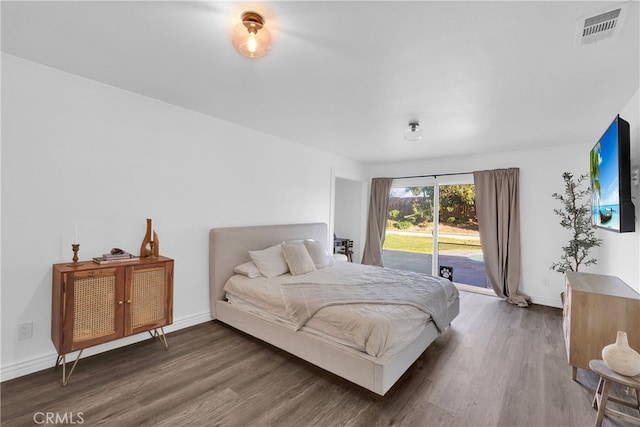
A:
47, 361
551, 302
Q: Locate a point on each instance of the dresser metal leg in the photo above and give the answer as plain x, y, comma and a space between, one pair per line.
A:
161, 336
63, 358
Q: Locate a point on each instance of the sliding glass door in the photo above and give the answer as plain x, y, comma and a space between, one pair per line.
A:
432, 228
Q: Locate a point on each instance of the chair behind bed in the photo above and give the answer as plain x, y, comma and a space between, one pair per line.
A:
228, 247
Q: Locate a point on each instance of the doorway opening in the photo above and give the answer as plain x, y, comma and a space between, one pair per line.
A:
347, 216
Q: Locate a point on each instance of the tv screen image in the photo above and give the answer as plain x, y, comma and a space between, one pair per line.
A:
610, 173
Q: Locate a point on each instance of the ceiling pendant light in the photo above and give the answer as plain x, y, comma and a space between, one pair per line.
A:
250, 37
413, 133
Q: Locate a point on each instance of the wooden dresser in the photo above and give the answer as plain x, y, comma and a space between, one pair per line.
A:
96, 303
595, 308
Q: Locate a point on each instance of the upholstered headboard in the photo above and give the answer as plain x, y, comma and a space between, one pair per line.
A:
228, 247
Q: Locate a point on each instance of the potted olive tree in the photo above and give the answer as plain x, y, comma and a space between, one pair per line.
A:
575, 215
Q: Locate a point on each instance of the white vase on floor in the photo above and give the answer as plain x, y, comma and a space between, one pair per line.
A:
621, 358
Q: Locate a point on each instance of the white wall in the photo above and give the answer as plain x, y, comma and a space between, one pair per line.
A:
540, 176
74, 150
619, 254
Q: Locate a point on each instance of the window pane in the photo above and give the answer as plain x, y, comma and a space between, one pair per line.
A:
408, 243
459, 250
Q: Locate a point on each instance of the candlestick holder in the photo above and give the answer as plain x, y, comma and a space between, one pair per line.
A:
75, 247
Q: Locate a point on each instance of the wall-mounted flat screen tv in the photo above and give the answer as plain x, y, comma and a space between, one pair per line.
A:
610, 170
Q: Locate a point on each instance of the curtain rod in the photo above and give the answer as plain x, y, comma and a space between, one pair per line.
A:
434, 175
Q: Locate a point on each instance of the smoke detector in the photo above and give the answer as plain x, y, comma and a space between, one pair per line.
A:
600, 25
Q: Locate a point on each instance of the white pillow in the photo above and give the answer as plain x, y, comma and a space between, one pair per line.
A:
298, 259
248, 269
270, 261
317, 253
336, 258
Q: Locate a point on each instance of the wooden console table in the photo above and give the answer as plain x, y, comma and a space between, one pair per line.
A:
595, 308
96, 303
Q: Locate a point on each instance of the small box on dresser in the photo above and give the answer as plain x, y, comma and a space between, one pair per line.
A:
595, 308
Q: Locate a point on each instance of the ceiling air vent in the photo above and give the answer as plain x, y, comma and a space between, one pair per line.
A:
600, 25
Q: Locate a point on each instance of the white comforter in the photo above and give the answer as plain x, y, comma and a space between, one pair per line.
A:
378, 329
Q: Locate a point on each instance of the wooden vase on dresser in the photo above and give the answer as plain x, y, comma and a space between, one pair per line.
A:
595, 308
96, 303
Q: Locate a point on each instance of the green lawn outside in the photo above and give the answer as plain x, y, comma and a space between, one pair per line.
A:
424, 244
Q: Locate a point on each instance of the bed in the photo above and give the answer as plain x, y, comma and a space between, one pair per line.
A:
229, 248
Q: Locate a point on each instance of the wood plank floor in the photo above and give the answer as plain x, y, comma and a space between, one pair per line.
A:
498, 365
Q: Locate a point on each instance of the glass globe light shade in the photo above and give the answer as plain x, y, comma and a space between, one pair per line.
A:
413, 133
250, 37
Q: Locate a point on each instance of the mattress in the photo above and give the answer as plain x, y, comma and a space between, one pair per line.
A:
377, 329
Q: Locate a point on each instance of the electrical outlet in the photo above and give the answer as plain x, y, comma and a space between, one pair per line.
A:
25, 331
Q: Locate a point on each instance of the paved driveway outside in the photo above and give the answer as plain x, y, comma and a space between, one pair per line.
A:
468, 268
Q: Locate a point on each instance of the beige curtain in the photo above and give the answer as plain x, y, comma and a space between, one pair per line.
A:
498, 211
377, 222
